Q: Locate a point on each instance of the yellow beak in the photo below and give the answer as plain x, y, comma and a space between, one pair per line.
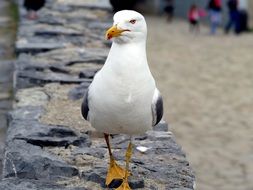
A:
113, 32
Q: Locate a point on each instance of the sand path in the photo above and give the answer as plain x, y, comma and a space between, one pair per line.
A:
207, 85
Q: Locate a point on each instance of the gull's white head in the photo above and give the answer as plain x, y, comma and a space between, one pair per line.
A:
128, 26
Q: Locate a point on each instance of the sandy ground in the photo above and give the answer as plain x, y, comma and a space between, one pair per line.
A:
207, 85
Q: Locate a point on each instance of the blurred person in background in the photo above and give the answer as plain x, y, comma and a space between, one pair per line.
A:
32, 6
193, 18
243, 16
194, 15
119, 5
169, 9
233, 16
214, 7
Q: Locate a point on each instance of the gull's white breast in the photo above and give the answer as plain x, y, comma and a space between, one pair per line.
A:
121, 104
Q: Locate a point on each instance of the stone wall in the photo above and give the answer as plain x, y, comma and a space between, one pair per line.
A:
48, 145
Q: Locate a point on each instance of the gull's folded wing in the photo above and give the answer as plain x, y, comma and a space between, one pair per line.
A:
157, 107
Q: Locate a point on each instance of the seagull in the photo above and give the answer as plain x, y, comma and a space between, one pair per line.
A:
123, 98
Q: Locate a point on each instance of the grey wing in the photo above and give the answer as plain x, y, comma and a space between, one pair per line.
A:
157, 107
85, 106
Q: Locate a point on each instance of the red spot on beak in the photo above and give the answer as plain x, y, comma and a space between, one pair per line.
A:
109, 37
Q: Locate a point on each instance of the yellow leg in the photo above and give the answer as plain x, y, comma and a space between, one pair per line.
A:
114, 170
125, 185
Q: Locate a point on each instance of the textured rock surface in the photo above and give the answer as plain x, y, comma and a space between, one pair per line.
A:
47, 141
5, 102
6, 71
20, 184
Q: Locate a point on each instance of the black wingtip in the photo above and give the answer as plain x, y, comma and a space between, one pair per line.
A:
85, 106
159, 109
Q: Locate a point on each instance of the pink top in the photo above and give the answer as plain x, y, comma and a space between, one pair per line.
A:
193, 14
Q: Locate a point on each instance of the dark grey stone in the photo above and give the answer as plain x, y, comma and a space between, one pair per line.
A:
24, 129
95, 5
159, 135
79, 55
28, 184
99, 25
26, 113
59, 69
95, 176
37, 78
57, 30
2, 139
27, 61
98, 175
44, 135
162, 126
52, 142
31, 47
60, 132
163, 160
96, 152
61, 8
24, 160
2, 51
51, 20
24, 125
78, 92
4, 20
5, 105
6, 71
3, 121
88, 73
175, 176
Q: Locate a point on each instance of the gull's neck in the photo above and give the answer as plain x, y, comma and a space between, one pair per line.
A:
126, 66
127, 56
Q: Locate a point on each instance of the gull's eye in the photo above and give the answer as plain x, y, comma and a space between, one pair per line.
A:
132, 21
